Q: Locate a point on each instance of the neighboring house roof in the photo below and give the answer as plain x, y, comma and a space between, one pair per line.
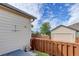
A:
65, 27
75, 26
18, 10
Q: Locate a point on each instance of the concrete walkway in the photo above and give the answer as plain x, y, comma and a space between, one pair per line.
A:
19, 53
31, 53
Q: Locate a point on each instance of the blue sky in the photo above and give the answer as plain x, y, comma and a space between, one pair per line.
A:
54, 13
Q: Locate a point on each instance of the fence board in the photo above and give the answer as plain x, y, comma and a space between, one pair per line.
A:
70, 50
65, 50
76, 50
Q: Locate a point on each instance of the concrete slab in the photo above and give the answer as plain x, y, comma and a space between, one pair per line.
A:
19, 53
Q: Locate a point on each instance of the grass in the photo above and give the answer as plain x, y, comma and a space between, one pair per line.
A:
38, 53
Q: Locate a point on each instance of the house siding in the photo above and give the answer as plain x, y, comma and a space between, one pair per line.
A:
9, 38
63, 34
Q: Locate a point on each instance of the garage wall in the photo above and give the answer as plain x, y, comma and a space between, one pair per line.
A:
63, 34
9, 38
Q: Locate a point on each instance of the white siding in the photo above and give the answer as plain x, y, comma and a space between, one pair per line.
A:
63, 34
9, 39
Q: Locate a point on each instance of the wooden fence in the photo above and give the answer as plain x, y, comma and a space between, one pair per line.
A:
55, 48
77, 40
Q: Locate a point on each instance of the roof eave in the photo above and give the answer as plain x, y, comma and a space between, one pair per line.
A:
66, 27
18, 10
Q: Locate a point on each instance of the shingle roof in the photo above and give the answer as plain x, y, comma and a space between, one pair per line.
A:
65, 27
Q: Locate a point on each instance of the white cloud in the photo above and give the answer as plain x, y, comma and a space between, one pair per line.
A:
74, 13
30, 8
55, 22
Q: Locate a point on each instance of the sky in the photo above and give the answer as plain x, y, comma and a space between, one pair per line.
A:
54, 13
